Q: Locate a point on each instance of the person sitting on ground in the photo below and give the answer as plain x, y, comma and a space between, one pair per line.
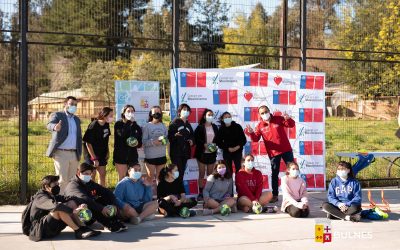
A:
171, 196
249, 185
100, 200
294, 198
344, 195
218, 190
134, 196
51, 213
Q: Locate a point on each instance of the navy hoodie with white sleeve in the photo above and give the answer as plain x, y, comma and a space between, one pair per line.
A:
344, 191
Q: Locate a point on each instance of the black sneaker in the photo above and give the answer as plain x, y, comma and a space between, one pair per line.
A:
192, 213
355, 217
85, 232
274, 199
117, 227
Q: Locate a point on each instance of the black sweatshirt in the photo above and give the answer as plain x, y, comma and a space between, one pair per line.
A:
44, 203
179, 145
229, 137
123, 131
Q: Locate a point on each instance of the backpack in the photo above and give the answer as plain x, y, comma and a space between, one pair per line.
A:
26, 219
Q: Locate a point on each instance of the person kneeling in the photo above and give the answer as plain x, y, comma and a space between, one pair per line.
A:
100, 200
50, 213
294, 200
171, 194
249, 185
134, 196
218, 192
344, 195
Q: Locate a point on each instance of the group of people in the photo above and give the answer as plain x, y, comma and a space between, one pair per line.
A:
73, 188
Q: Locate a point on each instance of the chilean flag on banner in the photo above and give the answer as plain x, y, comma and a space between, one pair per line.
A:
225, 96
311, 82
311, 115
313, 180
311, 147
193, 79
291, 132
284, 97
251, 114
195, 114
256, 79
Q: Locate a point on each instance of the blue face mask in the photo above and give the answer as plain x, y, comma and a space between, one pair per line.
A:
209, 119
136, 175
71, 109
249, 165
176, 175
228, 121
85, 178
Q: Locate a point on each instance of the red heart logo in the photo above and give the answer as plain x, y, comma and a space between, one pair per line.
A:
248, 96
278, 80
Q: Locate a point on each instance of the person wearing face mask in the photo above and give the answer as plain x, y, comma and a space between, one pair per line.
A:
100, 200
181, 138
204, 135
218, 190
171, 193
231, 139
272, 129
344, 195
294, 192
125, 154
50, 213
249, 185
134, 196
154, 146
65, 147
95, 142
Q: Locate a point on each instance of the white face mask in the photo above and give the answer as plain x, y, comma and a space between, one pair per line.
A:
249, 165
176, 174
342, 174
266, 116
185, 114
209, 119
294, 173
85, 178
129, 116
228, 121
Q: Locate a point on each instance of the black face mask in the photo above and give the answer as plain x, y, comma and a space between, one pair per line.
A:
157, 116
55, 190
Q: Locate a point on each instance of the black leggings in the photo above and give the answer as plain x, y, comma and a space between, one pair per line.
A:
235, 157
335, 211
275, 166
297, 212
172, 210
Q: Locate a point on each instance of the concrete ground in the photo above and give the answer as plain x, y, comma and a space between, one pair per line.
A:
237, 231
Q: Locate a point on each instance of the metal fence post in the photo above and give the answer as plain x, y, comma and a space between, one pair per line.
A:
175, 33
23, 102
283, 36
303, 40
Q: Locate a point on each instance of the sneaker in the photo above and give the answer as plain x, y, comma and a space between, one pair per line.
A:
150, 217
192, 213
118, 227
207, 211
96, 226
234, 209
274, 199
270, 209
200, 197
85, 232
355, 217
135, 220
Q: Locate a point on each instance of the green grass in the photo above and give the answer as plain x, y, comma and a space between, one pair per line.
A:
341, 135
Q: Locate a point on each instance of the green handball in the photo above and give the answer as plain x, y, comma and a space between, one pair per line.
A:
163, 140
132, 142
184, 213
111, 210
257, 209
85, 215
225, 210
381, 213
212, 147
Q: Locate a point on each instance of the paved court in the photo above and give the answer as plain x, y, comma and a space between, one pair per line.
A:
237, 231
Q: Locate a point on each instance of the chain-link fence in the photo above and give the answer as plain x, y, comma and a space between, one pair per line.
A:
81, 47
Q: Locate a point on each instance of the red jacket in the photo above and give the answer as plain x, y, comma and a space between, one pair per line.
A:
249, 184
274, 135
